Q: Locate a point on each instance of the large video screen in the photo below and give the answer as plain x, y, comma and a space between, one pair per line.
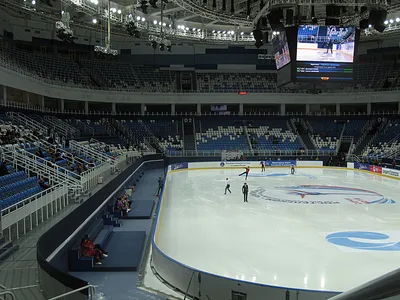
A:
325, 53
281, 49
326, 43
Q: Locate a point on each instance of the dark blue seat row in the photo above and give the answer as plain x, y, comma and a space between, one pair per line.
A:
100, 234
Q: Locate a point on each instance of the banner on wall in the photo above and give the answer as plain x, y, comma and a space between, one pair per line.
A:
375, 169
178, 166
280, 163
362, 166
391, 172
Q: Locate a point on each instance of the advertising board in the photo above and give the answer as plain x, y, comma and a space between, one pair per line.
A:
391, 172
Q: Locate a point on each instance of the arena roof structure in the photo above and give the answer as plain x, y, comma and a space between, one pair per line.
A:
207, 21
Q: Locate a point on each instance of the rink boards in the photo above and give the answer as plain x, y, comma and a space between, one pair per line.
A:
203, 284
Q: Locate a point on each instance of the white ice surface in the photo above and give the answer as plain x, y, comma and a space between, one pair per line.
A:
278, 243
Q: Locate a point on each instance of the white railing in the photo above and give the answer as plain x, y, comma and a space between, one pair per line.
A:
34, 210
71, 129
88, 151
92, 177
24, 160
264, 153
21, 119
91, 293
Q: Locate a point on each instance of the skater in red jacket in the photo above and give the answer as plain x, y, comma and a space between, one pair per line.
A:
247, 170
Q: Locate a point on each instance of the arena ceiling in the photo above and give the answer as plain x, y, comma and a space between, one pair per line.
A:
209, 21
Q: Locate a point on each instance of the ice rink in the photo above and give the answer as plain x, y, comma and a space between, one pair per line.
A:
320, 229
321, 55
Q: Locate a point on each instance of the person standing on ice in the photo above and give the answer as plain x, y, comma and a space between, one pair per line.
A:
245, 172
262, 163
292, 170
245, 191
227, 187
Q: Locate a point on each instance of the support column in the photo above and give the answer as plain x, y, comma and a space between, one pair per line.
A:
307, 109
173, 109
26, 98
142, 109
62, 105
368, 109
4, 95
113, 108
398, 110
283, 109
198, 109
86, 107
337, 108
240, 109
42, 101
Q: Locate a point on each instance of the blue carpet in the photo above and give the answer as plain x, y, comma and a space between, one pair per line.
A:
124, 251
141, 209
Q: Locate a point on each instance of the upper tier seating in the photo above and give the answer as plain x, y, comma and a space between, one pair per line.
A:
325, 133
124, 75
273, 135
250, 82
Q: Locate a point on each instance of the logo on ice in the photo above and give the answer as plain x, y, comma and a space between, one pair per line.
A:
320, 194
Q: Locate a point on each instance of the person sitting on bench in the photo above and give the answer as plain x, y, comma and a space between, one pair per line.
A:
90, 249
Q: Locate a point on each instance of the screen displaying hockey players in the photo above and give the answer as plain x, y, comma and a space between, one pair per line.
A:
326, 43
281, 49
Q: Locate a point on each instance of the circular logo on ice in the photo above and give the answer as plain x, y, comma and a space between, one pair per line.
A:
222, 164
319, 194
363, 240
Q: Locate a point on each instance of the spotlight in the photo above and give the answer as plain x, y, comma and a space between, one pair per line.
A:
386, 22
155, 22
397, 20
119, 11
162, 47
154, 45
94, 21
143, 19
138, 18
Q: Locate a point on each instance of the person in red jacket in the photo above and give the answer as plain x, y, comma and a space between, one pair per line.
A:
246, 172
90, 249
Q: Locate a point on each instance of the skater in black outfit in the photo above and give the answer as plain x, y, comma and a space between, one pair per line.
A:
262, 163
160, 186
292, 170
245, 191
330, 46
227, 187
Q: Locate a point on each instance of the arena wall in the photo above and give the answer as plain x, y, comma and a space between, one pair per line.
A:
203, 285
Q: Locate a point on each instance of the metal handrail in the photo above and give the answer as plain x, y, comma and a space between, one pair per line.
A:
90, 288
8, 293
265, 153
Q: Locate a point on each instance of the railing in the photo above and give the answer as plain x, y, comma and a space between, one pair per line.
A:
263, 153
71, 129
91, 293
25, 121
24, 160
248, 140
5, 293
185, 114
33, 210
88, 151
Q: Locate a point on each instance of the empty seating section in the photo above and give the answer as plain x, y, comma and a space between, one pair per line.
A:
216, 137
355, 128
325, 133
387, 143
250, 82
17, 186
166, 131
273, 135
126, 76
51, 67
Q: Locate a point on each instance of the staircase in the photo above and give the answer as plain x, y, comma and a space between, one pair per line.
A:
345, 145
304, 135
188, 134
91, 76
369, 137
